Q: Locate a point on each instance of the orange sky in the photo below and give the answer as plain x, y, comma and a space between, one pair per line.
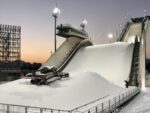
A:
38, 50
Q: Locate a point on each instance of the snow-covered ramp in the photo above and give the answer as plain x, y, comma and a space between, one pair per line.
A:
111, 61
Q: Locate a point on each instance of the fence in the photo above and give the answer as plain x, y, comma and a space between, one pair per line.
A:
10, 108
103, 107
112, 104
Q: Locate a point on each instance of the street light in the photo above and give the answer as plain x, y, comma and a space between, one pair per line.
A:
128, 16
55, 14
83, 24
125, 19
110, 36
145, 12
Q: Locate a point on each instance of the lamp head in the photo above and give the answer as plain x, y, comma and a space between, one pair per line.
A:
84, 23
56, 12
110, 35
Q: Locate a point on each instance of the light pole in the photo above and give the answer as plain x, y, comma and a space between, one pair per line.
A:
128, 16
51, 53
145, 12
110, 36
120, 28
125, 19
83, 24
55, 14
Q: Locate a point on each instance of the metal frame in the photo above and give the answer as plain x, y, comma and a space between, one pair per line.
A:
10, 43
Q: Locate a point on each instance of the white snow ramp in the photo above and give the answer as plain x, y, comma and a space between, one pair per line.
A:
112, 61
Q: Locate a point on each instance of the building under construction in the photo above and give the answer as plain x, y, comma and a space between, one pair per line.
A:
10, 43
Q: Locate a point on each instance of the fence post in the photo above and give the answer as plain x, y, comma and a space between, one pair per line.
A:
115, 103
102, 108
41, 110
26, 110
109, 105
119, 99
96, 109
51, 111
88, 111
126, 95
7, 108
123, 97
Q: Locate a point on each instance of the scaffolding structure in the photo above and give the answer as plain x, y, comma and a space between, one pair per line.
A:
10, 43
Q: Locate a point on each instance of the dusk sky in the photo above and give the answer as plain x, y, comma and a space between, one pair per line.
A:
37, 23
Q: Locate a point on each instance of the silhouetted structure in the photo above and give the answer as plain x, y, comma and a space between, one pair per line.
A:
14, 70
10, 43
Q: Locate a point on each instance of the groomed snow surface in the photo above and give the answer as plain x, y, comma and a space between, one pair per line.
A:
68, 94
111, 61
95, 72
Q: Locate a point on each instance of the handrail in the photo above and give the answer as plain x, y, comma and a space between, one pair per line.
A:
124, 31
56, 59
31, 107
111, 104
90, 103
81, 44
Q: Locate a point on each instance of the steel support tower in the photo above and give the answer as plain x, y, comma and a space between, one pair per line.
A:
10, 43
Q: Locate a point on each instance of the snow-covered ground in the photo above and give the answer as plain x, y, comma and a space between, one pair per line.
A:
79, 89
95, 72
141, 104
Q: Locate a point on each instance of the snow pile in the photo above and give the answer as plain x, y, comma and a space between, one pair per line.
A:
112, 61
79, 89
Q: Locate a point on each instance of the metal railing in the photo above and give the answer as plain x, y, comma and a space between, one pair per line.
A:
110, 105
100, 107
10, 108
124, 31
